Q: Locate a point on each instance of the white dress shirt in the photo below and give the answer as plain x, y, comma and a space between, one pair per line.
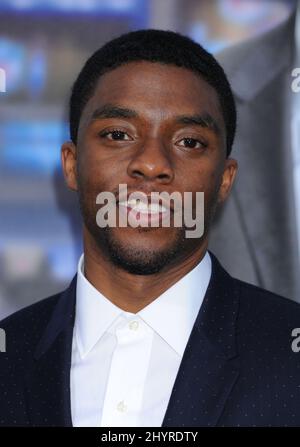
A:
124, 365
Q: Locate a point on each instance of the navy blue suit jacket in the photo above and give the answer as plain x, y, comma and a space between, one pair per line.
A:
238, 367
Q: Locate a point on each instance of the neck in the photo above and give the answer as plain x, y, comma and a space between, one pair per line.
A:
134, 292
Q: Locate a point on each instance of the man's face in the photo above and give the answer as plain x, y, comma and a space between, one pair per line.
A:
153, 127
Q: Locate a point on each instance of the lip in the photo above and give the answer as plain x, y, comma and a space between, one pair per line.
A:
161, 201
144, 219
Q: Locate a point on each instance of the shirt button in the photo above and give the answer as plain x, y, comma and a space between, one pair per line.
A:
121, 406
134, 325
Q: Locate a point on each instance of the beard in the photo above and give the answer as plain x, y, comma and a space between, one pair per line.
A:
141, 261
138, 261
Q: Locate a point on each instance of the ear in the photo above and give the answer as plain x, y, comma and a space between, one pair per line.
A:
69, 164
228, 177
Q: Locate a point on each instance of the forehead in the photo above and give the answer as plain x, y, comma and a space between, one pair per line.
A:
155, 89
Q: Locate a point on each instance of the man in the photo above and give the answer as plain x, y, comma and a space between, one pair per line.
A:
152, 331
261, 219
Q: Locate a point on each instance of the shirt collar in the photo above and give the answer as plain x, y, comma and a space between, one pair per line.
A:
171, 315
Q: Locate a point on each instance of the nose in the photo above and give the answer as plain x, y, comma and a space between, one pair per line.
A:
151, 162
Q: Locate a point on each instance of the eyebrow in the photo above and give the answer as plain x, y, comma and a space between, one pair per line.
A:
204, 120
112, 111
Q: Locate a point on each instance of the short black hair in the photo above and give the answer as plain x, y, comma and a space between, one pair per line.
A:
166, 47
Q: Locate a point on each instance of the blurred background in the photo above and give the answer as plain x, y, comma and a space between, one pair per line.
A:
43, 45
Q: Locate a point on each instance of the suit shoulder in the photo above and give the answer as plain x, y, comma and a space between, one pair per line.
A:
231, 57
267, 304
31, 316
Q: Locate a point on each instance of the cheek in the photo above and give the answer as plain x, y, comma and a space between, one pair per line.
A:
207, 180
96, 172
204, 180
91, 182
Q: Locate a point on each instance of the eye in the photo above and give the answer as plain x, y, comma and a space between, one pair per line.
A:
191, 143
115, 135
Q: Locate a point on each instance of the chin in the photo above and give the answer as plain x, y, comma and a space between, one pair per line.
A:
139, 254
146, 239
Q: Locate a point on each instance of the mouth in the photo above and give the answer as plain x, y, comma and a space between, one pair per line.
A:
145, 212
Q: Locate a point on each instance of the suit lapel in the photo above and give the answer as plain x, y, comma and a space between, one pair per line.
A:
210, 365
261, 60
48, 379
263, 194
207, 373
262, 198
